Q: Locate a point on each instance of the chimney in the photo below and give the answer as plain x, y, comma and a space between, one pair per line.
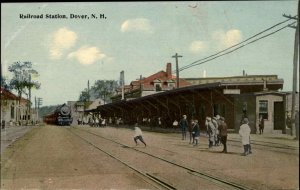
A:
169, 70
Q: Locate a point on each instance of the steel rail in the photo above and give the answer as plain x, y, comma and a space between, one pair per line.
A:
277, 145
146, 175
203, 175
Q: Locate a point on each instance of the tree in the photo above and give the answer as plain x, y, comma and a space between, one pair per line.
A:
84, 96
22, 79
4, 83
105, 89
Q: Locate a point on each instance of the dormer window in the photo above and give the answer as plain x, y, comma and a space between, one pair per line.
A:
157, 85
171, 83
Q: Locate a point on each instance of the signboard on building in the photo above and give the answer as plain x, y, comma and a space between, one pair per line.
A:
231, 91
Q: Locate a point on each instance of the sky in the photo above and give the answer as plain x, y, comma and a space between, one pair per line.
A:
140, 38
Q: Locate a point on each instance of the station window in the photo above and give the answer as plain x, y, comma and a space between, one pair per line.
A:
157, 87
263, 108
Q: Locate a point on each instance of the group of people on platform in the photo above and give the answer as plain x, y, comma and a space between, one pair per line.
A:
216, 130
93, 122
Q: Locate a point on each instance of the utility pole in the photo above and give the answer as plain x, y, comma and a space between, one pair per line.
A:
36, 111
177, 69
35, 103
89, 90
295, 70
39, 102
29, 116
122, 82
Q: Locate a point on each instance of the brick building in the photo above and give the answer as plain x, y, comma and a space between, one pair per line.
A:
158, 82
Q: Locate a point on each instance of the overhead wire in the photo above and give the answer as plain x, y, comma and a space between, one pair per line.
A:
186, 67
215, 55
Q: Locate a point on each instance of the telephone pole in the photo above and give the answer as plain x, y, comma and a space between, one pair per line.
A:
177, 69
29, 116
122, 83
295, 70
88, 90
39, 103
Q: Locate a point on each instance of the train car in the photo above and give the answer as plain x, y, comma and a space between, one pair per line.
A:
60, 116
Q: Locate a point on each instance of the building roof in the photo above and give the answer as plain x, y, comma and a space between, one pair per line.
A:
24, 101
147, 83
234, 77
7, 95
245, 86
270, 93
163, 76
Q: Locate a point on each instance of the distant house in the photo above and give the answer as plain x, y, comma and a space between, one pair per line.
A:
158, 82
9, 105
13, 111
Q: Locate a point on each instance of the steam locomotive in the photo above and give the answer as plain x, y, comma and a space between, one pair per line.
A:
60, 116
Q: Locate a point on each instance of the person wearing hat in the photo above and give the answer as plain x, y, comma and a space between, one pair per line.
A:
192, 135
223, 133
215, 121
210, 131
196, 132
244, 132
183, 125
261, 124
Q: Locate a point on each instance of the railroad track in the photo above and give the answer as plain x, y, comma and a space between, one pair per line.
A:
269, 144
259, 142
156, 180
212, 179
275, 147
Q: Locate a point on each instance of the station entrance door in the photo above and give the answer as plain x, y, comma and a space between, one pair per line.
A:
279, 116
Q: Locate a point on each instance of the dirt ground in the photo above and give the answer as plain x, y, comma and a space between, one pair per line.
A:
50, 157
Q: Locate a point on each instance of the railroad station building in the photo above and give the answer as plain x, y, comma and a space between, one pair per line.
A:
234, 97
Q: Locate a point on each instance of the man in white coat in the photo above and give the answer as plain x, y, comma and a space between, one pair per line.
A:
245, 134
